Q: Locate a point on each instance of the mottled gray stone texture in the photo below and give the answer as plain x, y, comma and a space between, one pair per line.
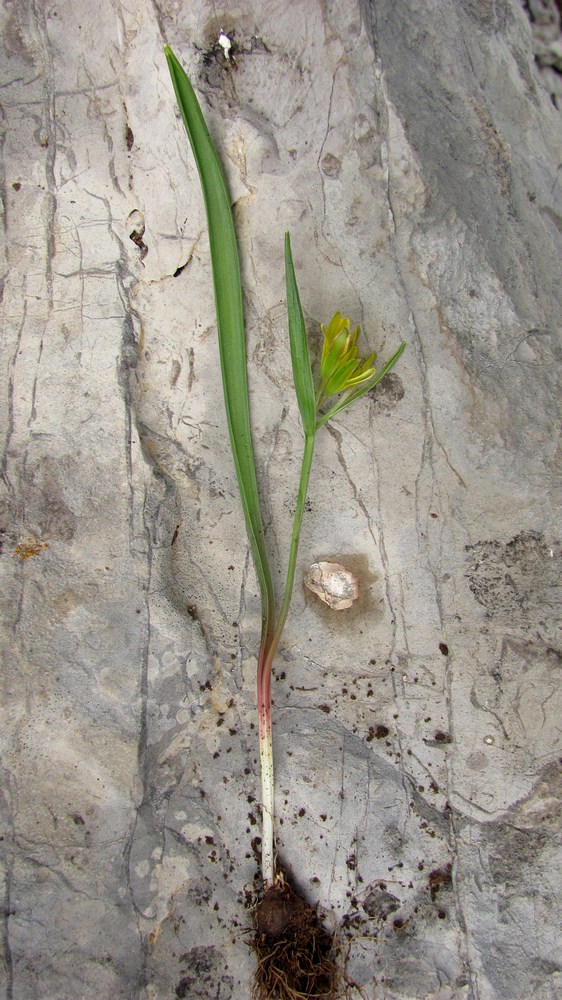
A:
413, 149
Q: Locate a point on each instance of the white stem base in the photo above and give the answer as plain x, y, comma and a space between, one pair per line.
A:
268, 810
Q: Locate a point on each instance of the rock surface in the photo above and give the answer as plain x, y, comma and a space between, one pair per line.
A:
413, 150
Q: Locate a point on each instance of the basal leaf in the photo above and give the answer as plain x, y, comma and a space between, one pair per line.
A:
230, 321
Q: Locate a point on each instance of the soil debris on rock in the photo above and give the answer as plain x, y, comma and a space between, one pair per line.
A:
295, 953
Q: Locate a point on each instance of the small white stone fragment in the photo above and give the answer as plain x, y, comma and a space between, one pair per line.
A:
333, 584
135, 222
225, 44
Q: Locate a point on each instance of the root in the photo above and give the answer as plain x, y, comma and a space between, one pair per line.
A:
296, 955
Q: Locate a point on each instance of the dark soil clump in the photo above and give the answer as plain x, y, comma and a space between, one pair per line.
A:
295, 952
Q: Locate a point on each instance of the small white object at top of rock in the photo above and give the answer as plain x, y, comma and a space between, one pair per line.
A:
333, 584
225, 44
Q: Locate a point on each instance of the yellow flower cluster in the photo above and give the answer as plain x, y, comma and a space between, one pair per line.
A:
340, 367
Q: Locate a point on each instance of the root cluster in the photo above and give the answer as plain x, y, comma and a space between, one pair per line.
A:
295, 952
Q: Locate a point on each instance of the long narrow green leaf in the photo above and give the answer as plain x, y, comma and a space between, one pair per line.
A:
362, 389
300, 358
230, 322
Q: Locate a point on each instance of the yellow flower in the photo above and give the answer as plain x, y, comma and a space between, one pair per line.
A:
340, 367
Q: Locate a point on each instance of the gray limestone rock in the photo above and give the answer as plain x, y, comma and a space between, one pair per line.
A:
414, 152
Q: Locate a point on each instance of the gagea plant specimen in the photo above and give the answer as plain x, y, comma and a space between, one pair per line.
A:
293, 949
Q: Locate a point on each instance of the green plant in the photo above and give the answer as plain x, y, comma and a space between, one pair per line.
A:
343, 379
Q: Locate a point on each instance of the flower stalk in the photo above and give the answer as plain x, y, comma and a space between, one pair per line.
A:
342, 375
265, 666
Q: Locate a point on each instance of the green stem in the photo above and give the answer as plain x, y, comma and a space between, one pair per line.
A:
295, 537
265, 664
